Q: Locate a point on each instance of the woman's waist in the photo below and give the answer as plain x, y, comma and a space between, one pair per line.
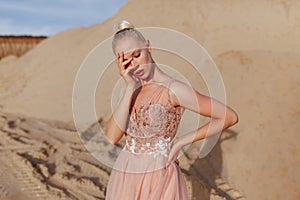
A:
155, 145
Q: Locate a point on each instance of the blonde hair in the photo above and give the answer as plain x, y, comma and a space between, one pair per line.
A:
124, 29
119, 26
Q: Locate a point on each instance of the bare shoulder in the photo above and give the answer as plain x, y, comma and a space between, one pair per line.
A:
179, 90
177, 85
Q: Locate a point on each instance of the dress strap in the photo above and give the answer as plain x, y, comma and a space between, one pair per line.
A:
169, 82
169, 91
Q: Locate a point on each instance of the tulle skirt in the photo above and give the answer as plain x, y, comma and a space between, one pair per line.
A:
144, 177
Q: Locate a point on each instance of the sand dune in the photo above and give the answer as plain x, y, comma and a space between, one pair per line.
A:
45, 159
256, 48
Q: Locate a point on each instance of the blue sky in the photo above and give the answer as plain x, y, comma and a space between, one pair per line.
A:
47, 17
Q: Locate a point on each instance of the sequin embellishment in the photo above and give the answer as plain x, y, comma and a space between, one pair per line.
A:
151, 128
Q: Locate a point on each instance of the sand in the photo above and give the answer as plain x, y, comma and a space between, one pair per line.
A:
256, 48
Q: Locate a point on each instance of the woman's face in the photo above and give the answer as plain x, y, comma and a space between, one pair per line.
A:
139, 51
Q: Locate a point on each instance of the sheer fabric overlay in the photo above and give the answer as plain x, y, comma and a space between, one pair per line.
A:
139, 171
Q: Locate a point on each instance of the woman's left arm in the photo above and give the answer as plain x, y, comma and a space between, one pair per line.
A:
222, 116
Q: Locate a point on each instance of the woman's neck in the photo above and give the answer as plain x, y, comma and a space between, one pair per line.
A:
157, 76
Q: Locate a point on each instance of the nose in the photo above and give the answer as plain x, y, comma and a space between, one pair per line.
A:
133, 63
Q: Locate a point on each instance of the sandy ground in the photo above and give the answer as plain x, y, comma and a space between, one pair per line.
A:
256, 48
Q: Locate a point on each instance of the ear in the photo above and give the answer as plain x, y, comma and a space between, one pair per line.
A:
148, 45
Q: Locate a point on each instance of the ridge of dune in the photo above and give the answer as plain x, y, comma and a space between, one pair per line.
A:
54, 62
256, 48
219, 26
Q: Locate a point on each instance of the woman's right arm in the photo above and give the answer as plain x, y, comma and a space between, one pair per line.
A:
116, 125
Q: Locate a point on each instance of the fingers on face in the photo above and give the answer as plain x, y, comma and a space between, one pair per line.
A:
120, 58
123, 64
126, 62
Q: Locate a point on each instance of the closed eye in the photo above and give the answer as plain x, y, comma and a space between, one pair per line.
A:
136, 55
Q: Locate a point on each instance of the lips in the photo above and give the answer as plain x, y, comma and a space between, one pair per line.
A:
139, 72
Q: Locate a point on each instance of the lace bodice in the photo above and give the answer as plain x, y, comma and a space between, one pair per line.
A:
153, 124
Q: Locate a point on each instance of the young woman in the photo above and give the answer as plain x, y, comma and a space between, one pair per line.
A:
148, 114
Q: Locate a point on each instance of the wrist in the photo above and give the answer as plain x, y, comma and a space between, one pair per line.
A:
179, 141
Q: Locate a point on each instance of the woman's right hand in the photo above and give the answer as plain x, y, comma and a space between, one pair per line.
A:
125, 69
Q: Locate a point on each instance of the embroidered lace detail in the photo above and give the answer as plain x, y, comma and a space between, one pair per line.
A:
154, 146
152, 127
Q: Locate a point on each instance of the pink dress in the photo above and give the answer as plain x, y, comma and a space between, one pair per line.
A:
139, 172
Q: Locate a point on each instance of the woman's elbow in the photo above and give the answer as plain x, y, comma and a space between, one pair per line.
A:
233, 118
230, 118
109, 135
111, 140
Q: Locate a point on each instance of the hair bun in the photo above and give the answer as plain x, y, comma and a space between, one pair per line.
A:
122, 25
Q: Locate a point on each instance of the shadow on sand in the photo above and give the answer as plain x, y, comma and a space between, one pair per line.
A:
205, 174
